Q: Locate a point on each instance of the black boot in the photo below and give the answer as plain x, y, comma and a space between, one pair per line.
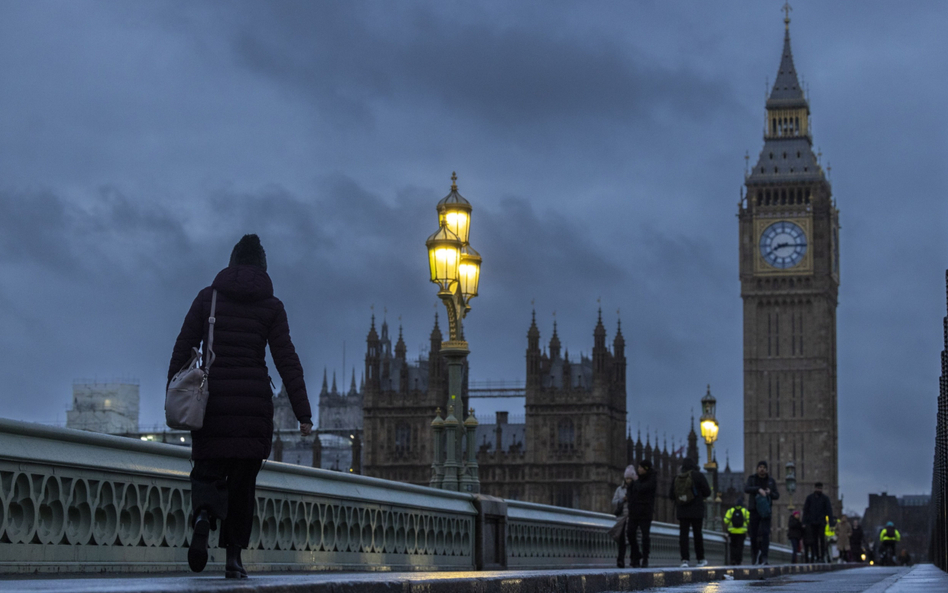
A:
197, 550
234, 568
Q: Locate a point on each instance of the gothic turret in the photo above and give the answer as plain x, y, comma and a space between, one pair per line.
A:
554, 344
533, 353
600, 353
400, 349
436, 368
693, 443
372, 360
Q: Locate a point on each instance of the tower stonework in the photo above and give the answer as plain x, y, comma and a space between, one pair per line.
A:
789, 271
575, 422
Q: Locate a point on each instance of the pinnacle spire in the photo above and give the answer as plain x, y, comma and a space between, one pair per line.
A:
786, 92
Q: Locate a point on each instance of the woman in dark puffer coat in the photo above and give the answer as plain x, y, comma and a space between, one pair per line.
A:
238, 423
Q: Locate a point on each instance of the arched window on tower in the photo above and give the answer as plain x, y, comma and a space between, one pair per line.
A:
402, 438
565, 435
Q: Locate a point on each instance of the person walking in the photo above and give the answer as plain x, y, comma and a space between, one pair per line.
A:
844, 532
794, 534
763, 491
736, 520
238, 424
817, 513
641, 496
688, 490
621, 505
857, 541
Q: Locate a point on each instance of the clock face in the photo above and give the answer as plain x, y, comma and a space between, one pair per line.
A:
783, 244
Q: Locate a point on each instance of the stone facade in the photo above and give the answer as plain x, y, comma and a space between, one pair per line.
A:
110, 407
789, 271
911, 515
569, 450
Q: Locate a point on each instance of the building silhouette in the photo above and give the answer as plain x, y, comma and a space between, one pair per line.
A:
570, 449
789, 270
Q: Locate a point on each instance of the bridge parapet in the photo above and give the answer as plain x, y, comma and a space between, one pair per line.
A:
74, 501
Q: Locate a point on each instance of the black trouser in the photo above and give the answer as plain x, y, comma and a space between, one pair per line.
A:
225, 488
736, 543
795, 546
814, 543
625, 535
641, 523
760, 537
694, 525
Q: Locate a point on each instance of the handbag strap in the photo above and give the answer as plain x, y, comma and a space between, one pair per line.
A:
210, 333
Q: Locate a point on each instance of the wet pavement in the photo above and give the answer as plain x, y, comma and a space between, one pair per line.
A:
924, 578
507, 581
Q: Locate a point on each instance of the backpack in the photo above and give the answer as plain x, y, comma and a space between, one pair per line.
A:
684, 488
890, 532
763, 506
737, 518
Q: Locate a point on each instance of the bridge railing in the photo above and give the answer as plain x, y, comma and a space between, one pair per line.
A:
73, 501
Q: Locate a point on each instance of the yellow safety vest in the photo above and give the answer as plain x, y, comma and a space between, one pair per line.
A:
885, 538
730, 514
829, 531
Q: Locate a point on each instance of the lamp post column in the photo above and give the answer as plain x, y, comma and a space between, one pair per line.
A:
470, 481
451, 465
437, 464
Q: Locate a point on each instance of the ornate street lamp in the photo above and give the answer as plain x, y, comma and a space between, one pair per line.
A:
709, 426
791, 480
456, 268
709, 432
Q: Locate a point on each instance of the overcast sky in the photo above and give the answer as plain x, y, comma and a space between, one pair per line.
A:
601, 144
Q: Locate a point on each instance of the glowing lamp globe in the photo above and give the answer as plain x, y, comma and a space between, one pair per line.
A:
444, 258
454, 212
709, 430
469, 272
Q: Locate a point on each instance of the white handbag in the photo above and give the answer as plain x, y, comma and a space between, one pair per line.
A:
186, 397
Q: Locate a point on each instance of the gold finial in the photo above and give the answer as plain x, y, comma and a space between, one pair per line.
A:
454, 181
471, 411
786, 10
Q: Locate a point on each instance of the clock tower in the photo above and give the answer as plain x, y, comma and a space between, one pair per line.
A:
789, 268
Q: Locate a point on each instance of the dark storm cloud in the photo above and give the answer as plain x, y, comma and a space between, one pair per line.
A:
601, 145
512, 76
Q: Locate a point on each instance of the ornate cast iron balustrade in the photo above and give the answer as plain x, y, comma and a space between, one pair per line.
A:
73, 501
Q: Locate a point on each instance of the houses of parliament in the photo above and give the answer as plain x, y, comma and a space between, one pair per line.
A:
573, 444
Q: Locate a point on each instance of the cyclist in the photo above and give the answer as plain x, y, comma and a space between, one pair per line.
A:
887, 540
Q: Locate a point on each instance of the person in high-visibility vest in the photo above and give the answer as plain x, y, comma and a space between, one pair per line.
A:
736, 519
887, 540
829, 532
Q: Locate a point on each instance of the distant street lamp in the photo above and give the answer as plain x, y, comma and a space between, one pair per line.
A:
456, 268
791, 481
709, 428
709, 432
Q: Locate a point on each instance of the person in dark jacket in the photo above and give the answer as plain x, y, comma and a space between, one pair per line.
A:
689, 508
763, 491
238, 423
817, 510
856, 541
641, 497
794, 534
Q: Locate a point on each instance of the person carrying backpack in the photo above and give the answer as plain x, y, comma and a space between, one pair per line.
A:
688, 490
763, 491
736, 520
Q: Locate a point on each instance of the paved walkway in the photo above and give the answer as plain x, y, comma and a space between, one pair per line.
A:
924, 578
511, 581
